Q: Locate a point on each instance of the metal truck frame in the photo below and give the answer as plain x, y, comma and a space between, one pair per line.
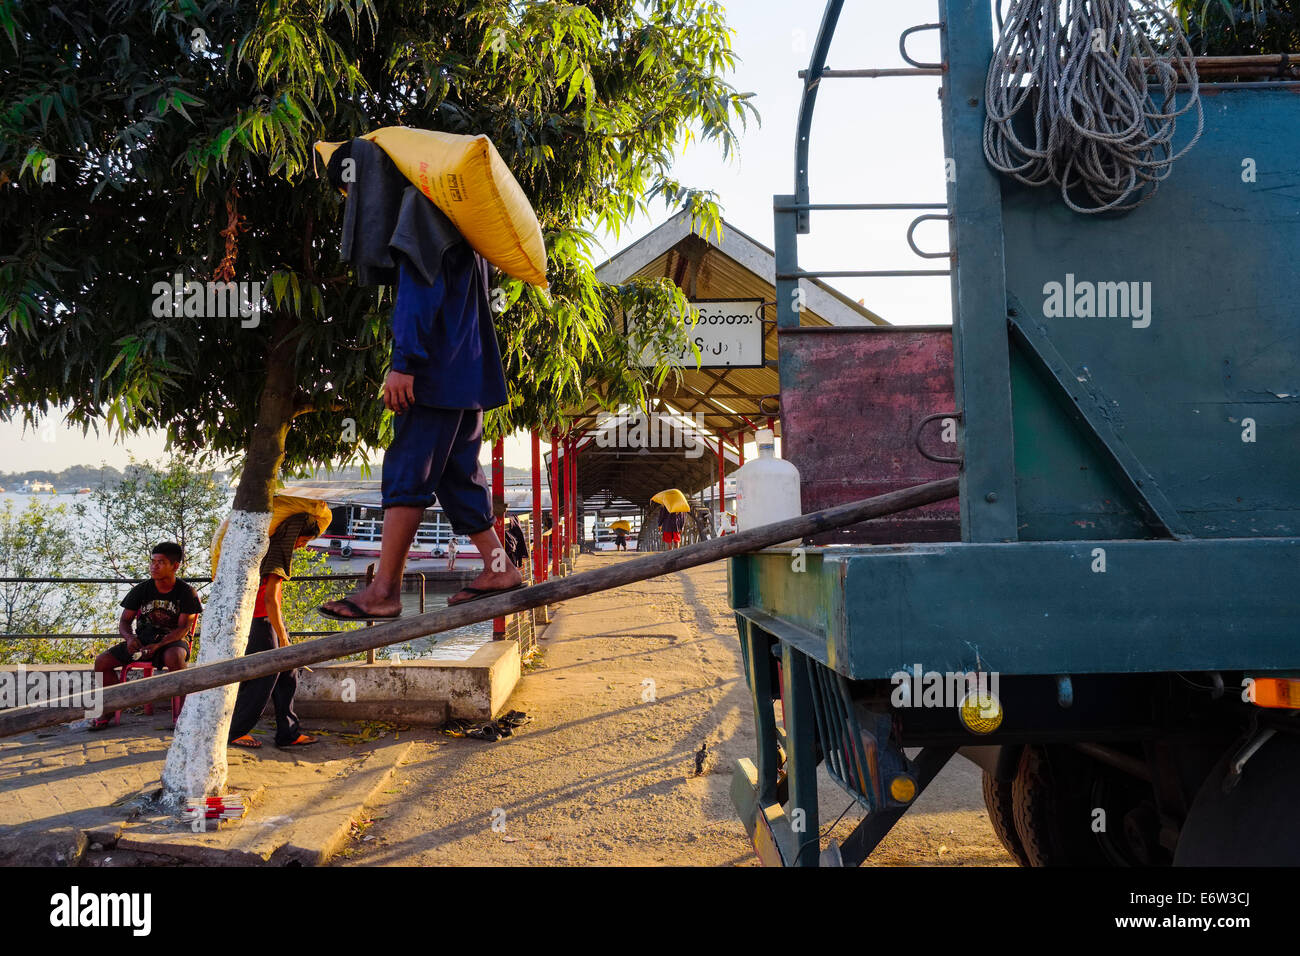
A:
1123, 572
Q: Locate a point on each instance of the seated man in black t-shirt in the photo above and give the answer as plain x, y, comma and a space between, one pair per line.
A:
163, 609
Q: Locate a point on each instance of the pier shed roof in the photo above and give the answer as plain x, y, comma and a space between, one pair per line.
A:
732, 266
713, 400
629, 458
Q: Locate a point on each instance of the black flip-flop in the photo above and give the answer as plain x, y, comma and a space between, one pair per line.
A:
361, 615
457, 728
516, 718
486, 732
480, 593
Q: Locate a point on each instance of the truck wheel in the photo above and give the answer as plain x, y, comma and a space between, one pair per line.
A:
1254, 823
1050, 808
997, 800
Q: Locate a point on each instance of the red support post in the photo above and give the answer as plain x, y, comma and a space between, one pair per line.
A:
740, 446
571, 510
722, 478
498, 499
573, 491
539, 556
556, 495
564, 480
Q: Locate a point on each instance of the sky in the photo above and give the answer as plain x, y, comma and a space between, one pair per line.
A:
873, 140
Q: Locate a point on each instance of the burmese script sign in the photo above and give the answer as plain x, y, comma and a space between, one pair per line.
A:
728, 333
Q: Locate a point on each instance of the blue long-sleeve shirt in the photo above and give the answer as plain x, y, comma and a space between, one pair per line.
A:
443, 334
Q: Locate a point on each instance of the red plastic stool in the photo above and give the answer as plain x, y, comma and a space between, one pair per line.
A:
146, 670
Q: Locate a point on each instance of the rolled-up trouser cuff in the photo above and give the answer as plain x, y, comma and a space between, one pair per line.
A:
434, 455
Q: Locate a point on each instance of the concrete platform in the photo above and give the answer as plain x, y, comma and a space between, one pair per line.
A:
69, 797
422, 693
415, 692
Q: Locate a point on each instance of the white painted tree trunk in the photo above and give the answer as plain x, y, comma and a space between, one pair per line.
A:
196, 762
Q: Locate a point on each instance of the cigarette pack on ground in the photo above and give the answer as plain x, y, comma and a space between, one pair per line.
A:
229, 807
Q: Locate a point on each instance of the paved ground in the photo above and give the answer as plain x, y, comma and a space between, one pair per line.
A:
632, 685
68, 796
605, 775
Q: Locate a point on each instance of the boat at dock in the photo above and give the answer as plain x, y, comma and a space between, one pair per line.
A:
356, 530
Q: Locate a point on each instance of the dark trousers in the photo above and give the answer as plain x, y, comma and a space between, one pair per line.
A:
255, 694
434, 454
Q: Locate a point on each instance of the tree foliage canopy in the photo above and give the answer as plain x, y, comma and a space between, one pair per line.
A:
145, 138
173, 501
1241, 27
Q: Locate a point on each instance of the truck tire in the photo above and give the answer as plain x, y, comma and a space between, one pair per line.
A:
1050, 807
998, 801
1254, 823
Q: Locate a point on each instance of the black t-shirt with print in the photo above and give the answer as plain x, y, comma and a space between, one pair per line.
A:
158, 614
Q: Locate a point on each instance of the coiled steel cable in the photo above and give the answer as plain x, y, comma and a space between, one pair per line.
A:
1087, 100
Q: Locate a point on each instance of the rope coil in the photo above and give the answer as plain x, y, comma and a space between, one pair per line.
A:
1094, 94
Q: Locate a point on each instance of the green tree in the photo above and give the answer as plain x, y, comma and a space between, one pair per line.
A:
41, 542
1241, 27
179, 502
147, 138
299, 599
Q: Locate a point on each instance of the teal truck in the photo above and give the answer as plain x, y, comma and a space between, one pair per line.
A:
1107, 619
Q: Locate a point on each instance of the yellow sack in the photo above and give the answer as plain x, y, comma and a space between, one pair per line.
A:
282, 506
673, 500
466, 178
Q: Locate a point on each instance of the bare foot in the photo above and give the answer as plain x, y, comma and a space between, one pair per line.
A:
370, 602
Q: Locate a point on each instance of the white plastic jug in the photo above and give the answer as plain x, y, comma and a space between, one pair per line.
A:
767, 489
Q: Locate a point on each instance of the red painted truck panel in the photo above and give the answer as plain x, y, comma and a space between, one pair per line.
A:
851, 399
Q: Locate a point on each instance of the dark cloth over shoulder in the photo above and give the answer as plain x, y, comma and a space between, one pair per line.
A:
387, 220
442, 322
374, 199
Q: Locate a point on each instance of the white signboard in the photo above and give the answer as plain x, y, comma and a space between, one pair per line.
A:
728, 333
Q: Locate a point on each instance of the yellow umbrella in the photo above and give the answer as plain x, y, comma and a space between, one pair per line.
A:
620, 526
673, 500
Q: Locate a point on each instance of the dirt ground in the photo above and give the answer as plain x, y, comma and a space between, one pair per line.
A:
631, 684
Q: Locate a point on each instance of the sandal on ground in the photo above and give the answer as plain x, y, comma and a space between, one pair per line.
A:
302, 741
245, 741
100, 723
515, 718
486, 732
478, 593
457, 728
358, 613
